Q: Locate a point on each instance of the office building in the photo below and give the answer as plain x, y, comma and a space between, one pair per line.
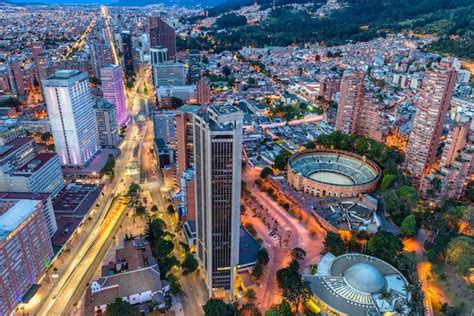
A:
161, 34
42, 174
114, 91
25, 250
13, 155
194, 66
184, 139
203, 91
47, 206
168, 74
127, 53
431, 109
9, 130
71, 115
218, 163
16, 78
164, 126
107, 124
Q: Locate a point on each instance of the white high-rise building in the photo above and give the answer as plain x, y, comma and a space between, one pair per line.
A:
71, 115
218, 163
114, 91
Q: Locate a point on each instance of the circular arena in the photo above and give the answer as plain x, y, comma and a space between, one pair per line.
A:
324, 172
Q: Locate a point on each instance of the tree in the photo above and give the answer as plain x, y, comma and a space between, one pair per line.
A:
267, 171
257, 271
120, 308
460, 253
408, 226
133, 194
226, 71
46, 136
189, 264
175, 287
171, 210
409, 195
217, 307
334, 244
385, 246
293, 287
166, 264
154, 208
470, 191
298, 254
109, 166
262, 257
140, 209
163, 247
280, 161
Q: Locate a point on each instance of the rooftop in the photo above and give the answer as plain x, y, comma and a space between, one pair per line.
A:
13, 145
16, 215
34, 164
64, 74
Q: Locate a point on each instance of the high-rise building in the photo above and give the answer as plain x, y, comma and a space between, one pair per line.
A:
16, 77
25, 250
218, 163
431, 108
203, 91
194, 66
71, 115
127, 52
13, 155
359, 111
168, 74
114, 91
107, 124
350, 102
184, 139
161, 34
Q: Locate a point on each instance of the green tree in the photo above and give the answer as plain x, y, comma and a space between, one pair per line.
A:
408, 226
170, 209
163, 247
267, 171
460, 253
262, 256
154, 208
120, 308
280, 161
217, 307
109, 167
385, 246
334, 244
175, 286
257, 271
294, 288
189, 264
298, 254
133, 194
140, 210
46, 136
409, 195
166, 264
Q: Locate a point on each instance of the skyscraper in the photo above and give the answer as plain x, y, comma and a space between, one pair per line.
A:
431, 108
194, 66
71, 115
107, 126
16, 77
161, 34
184, 139
350, 102
127, 52
114, 91
218, 163
359, 112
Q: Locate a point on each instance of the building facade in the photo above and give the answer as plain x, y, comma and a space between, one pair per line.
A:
161, 34
71, 114
105, 114
113, 90
217, 163
432, 106
25, 250
203, 90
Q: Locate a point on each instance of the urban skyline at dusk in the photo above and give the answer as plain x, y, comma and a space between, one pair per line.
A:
236, 157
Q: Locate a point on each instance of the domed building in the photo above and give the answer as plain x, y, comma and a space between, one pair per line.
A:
357, 284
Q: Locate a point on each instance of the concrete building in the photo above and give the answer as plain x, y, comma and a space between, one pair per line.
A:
350, 102
168, 74
42, 174
164, 126
9, 130
25, 250
218, 163
71, 114
203, 89
107, 125
184, 139
351, 284
161, 34
432, 106
14, 154
114, 91
16, 80
194, 66
127, 53
47, 206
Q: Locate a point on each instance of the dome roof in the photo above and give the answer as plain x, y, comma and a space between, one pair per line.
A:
365, 278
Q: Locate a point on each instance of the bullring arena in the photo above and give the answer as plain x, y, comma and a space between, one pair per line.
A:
324, 172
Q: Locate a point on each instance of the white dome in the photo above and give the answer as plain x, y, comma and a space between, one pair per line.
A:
365, 278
